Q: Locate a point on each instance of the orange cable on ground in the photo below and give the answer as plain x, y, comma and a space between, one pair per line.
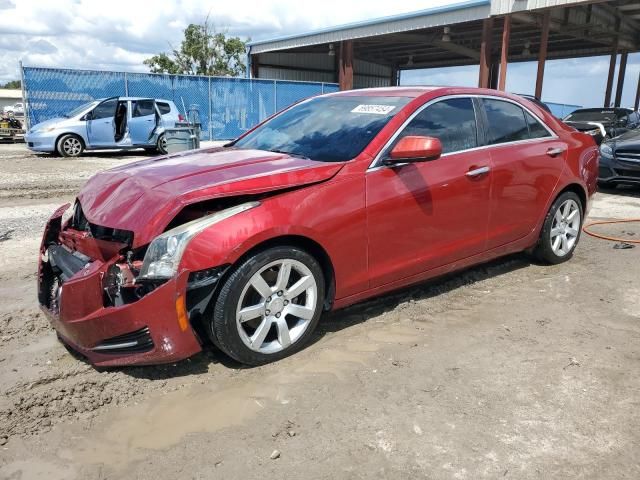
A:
609, 222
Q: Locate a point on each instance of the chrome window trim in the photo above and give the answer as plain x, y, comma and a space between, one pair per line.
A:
377, 161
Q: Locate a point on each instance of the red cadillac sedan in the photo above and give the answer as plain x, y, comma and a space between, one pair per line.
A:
334, 200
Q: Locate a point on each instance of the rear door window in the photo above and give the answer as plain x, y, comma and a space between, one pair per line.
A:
536, 129
452, 121
143, 108
164, 107
505, 122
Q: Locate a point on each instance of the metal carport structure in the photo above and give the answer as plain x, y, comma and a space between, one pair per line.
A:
491, 33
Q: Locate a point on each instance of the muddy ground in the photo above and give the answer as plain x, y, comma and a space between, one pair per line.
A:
507, 370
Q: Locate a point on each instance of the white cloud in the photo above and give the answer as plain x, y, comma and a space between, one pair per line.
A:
120, 34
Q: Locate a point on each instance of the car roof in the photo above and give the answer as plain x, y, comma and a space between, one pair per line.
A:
419, 91
134, 98
596, 110
412, 92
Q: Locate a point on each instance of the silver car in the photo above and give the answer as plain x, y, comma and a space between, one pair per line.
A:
117, 122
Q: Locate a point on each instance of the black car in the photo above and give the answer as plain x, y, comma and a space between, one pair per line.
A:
603, 123
620, 160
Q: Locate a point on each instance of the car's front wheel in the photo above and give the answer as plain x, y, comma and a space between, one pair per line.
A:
561, 229
268, 306
70, 146
161, 146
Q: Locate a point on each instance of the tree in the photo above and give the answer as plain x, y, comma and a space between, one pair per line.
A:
13, 84
203, 51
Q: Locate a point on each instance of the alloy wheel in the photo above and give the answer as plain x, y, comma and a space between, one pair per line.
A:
565, 228
72, 146
276, 306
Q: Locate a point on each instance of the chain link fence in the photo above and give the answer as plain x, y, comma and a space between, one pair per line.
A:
561, 110
228, 106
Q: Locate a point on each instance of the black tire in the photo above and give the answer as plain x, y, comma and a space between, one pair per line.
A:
544, 250
70, 145
161, 145
223, 327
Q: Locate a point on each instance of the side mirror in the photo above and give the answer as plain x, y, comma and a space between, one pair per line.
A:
415, 149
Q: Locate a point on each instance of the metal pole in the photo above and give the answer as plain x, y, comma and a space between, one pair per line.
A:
637, 96
622, 70
504, 55
485, 53
612, 67
209, 120
25, 101
275, 96
126, 85
345, 73
542, 54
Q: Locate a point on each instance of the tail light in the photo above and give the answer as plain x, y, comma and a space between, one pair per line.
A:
180, 118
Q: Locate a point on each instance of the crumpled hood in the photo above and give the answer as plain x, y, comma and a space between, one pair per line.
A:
144, 196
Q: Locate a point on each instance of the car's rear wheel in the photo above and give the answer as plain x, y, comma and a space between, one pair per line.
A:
561, 229
70, 145
161, 146
269, 306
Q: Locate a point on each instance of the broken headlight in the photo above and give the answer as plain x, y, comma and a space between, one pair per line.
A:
165, 251
606, 150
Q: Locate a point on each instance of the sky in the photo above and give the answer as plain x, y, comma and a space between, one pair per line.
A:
120, 34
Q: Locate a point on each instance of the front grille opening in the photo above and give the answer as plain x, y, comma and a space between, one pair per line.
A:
79, 222
139, 341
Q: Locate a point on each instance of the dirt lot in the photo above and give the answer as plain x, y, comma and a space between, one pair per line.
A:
508, 370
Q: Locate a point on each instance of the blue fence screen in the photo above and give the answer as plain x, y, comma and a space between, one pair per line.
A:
561, 110
228, 106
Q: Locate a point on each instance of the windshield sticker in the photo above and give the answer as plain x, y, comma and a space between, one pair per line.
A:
375, 109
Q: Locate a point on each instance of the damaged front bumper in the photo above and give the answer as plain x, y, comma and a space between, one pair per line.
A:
153, 329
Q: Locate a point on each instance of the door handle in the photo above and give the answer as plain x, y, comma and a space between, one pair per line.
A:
554, 152
476, 172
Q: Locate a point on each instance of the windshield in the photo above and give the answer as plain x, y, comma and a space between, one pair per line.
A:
328, 129
78, 110
594, 116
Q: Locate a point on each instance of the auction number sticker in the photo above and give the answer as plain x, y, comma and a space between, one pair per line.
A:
375, 109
